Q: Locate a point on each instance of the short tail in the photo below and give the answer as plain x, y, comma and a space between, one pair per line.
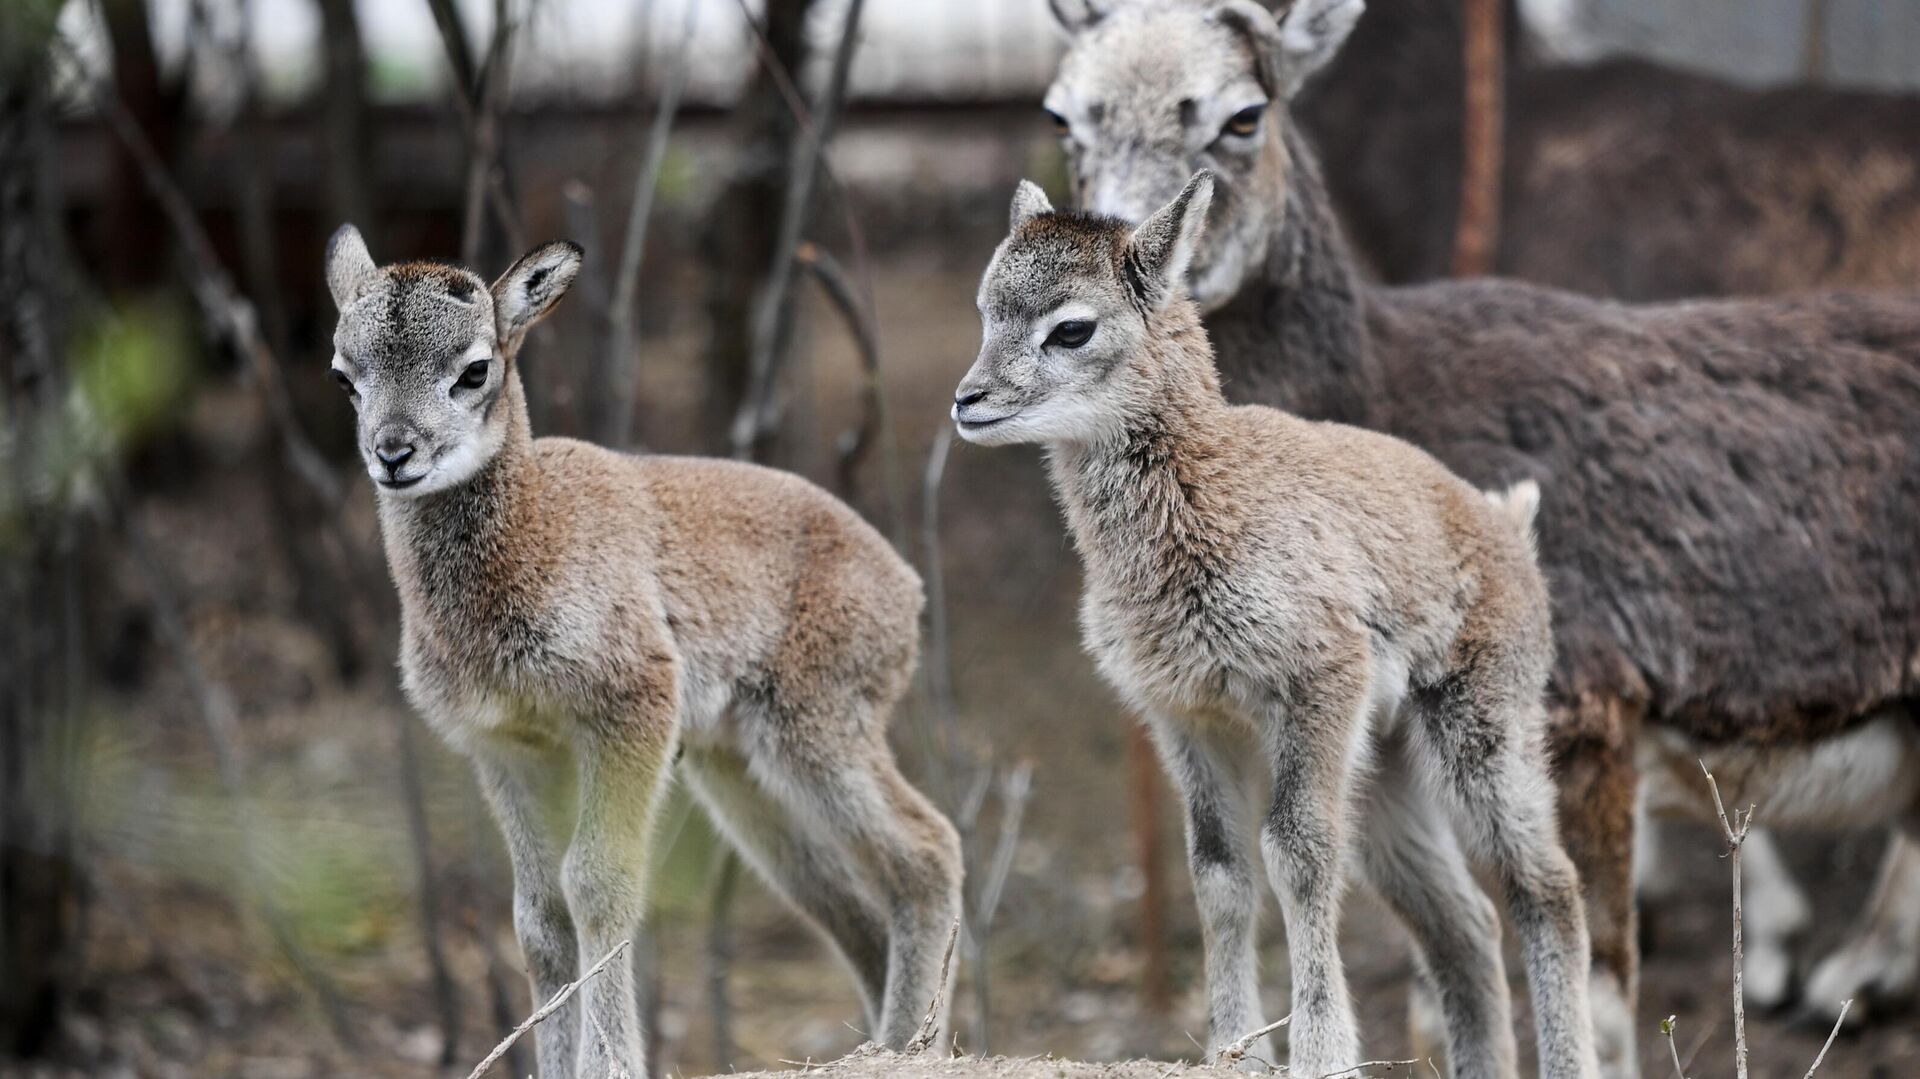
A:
1517, 505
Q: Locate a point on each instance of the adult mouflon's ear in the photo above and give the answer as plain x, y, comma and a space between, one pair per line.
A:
1295, 39
1162, 247
349, 267
1077, 15
1029, 202
530, 287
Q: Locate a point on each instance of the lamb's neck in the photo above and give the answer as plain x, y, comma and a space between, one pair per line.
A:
1141, 495
1295, 334
452, 549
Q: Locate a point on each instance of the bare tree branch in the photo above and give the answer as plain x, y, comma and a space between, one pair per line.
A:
226, 309
757, 414
621, 379
1832, 1034
1735, 832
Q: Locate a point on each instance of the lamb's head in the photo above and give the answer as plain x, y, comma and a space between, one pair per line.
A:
426, 351
1067, 306
1151, 90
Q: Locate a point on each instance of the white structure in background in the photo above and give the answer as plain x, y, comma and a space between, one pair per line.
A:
920, 50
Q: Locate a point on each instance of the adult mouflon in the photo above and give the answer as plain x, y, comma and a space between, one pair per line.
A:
1377, 627
581, 623
1736, 484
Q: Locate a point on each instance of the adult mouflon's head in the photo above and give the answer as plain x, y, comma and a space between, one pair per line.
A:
1151, 90
426, 351
1066, 307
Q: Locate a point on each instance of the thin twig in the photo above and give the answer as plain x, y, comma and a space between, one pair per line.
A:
1832, 1034
876, 422
622, 386
226, 309
1735, 831
1667, 1028
539, 1016
1358, 1068
1236, 1050
756, 416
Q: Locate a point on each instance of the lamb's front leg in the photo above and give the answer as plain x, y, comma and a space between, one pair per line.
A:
622, 772
1310, 741
521, 782
1223, 884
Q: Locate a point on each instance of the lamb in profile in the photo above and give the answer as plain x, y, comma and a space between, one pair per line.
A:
1379, 628
580, 623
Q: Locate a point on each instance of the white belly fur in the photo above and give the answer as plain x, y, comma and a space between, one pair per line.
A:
1864, 778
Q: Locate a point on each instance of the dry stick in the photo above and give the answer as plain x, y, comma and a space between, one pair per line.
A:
755, 418
222, 723
1735, 831
1236, 1050
1831, 1034
228, 311
1477, 225
923, 1039
1389, 1065
876, 422
623, 385
559, 1000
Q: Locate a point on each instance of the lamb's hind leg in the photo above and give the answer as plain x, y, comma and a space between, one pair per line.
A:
811, 870
1496, 773
520, 783
847, 790
1598, 790
1414, 861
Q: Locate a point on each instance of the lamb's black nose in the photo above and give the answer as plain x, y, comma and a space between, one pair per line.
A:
393, 453
962, 400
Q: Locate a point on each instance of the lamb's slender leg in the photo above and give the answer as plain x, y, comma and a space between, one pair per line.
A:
1598, 783
521, 782
1311, 742
1414, 861
851, 794
1776, 911
1496, 773
622, 769
811, 870
1882, 959
1223, 883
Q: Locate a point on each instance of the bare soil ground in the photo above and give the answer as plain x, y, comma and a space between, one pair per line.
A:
181, 980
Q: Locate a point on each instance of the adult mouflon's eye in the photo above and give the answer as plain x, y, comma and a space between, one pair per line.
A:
474, 377
1060, 125
1071, 334
1245, 122
346, 383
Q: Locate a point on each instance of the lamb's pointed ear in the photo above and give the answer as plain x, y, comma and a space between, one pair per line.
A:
1029, 202
530, 287
1162, 247
349, 266
1076, 15
1295, 39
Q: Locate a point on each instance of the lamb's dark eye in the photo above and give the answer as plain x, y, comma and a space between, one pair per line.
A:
345, 382
474, 377
1060, 124
1245, 122
1071, 334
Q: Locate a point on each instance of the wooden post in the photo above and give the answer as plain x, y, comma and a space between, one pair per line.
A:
1482, 129
1144, 779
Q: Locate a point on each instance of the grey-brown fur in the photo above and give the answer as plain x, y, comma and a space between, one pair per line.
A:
1736, 484
581, 624
1623, 178
1378, 628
